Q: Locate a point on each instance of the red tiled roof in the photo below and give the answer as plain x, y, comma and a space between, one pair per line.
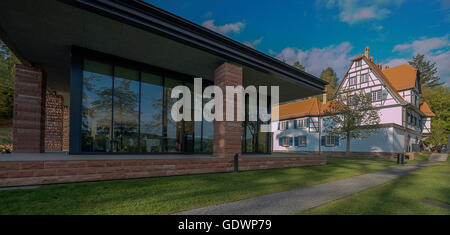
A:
426, 109
301, 108
402, 77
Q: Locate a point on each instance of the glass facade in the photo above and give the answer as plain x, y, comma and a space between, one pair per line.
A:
127, 110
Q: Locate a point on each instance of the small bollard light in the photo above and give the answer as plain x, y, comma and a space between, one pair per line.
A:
236, 163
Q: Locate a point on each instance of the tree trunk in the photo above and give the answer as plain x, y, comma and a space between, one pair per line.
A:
347, 147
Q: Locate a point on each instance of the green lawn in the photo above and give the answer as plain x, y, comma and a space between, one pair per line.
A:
401, 196
5, 136
171, 194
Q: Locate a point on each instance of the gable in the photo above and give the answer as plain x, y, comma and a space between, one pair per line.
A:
362, 75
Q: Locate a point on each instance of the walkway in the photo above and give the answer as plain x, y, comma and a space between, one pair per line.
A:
300, 199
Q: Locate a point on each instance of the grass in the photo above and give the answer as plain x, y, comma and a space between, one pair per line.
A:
171, 194
5, 136
402, 196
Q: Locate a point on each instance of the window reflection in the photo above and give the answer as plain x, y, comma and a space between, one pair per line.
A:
173, 130
151, 113
126, 110
97, 107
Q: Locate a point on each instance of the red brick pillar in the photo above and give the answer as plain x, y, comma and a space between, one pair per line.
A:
66, 129
53, 123
227, 135
28, 117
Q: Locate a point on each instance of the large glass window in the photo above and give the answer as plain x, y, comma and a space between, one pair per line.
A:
173, 130
151, 113
126, 110
129, 111
97, 107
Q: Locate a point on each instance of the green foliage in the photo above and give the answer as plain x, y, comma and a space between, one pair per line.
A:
299, 66
351, 116
329, 75
428, 71
7, 62
438, 98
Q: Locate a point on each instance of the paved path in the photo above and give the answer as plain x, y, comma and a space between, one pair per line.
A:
300, 199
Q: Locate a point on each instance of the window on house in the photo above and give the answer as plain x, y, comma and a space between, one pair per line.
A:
302, 141
330, 140
377, 95
301, 123
359, 63
283, 125
352, 81
365, 78
285, 141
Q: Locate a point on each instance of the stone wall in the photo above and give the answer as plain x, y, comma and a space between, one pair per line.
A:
56, 172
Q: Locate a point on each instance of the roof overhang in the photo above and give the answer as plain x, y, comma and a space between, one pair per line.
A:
42, 33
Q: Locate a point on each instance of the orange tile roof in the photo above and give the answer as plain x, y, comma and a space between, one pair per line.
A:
402, 77
301, 108
426, 109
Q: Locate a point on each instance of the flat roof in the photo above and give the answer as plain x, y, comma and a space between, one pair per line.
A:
149, 17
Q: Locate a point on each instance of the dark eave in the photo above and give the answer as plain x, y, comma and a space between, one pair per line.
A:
156, 20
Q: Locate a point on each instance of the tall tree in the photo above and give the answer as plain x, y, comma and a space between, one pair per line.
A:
329, 75
427, 69
438, 98
7, 62
299, 66
351, 116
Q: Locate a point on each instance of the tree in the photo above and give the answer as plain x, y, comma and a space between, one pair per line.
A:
329, 76
299, 66
351, 116
428, 71
7, 62
438, 98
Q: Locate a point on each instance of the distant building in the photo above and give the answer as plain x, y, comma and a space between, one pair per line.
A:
395, 92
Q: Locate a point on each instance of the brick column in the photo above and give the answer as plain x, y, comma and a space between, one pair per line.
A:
66, 129
28, 117
227, 135
53, 123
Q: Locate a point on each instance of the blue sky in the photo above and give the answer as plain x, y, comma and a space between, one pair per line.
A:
322, 33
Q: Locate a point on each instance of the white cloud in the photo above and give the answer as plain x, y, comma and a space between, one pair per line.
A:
254, 43
353, 11
424, 46
435, 49
224, 29
317, 59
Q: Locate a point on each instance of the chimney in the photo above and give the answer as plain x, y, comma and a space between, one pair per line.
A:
380, 66
371, 59
386, 67
367, 52
324, 97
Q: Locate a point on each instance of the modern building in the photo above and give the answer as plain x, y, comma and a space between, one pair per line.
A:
92, 95
404, 122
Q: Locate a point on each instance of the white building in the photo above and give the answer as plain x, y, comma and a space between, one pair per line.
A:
394, 91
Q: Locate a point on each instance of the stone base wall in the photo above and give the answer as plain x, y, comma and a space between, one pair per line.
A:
352, 154
57, 172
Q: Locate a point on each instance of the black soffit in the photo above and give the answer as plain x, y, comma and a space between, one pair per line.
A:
166, 24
